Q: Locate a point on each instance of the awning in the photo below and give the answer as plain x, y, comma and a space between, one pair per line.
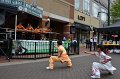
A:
9, 8
17, 5
112, 28
82, 26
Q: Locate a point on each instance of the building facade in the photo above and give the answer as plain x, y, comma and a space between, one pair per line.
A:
61, 14
89, 15
66, 13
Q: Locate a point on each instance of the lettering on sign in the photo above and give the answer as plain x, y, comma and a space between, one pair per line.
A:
81, 18
25, 7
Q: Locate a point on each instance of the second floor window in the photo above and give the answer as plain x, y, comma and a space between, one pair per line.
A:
103, 14
95, 9
86, 5
77, 4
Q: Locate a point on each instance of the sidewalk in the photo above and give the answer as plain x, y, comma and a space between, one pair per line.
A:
4, 60
36, 69
83, 49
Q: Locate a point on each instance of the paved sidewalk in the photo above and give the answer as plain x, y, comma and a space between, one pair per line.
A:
36, 69
4, 60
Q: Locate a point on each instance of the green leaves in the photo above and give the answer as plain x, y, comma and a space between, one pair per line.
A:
115, 10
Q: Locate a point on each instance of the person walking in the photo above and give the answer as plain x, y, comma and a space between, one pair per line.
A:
62, 57
91, 42
87, 43
74, 41
94, 42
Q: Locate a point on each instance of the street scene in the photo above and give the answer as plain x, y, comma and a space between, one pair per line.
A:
81, 69
59, 39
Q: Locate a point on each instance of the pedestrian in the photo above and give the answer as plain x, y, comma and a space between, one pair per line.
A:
87, 43
94, 42
105, 63
74, 41
91, 42
62, 57
64, 38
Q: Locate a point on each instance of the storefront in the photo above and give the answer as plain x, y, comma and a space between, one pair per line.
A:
84, 31
58, 25
109, 37
16, 12
86, 25
31, 30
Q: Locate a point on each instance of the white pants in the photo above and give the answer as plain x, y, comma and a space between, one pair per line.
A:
96, 68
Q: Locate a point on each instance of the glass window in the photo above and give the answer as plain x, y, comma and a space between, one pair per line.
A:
103, 14
86, 4
95, 9
77, 4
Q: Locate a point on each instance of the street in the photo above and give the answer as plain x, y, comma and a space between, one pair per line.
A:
37, 70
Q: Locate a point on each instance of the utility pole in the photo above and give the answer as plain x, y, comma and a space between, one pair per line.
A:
108, 12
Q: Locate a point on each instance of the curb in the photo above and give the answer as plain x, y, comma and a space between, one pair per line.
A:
34, 61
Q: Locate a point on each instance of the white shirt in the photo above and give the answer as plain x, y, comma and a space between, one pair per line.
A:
95, 39
48, 19
74, 41
91, 40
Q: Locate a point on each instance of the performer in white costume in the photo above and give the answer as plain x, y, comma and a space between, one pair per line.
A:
105, 63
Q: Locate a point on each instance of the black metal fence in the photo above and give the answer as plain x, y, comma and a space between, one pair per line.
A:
29, 49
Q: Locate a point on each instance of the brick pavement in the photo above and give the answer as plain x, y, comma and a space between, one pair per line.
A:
36, 70
83, 49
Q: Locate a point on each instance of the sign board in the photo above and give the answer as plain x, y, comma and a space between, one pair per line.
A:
114, 35
28, 46
23, 6
81, 18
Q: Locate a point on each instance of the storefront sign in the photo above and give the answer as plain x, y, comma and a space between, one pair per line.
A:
81, 18
114, 35
23, 6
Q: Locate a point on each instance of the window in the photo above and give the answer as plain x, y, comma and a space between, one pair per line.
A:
86, 4
77, 4
103, 14
95, 9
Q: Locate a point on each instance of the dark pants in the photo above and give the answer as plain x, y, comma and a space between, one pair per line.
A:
75, 48
90, 46
87, 45
94, 45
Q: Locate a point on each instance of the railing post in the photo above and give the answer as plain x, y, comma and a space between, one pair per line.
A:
35, 51
10, 43
53, 47
68, 48
50, 44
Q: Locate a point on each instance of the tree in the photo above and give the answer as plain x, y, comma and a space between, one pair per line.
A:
115, 10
